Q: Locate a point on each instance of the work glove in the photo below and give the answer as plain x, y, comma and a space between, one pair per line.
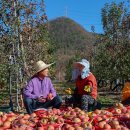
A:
87, 88
69, 91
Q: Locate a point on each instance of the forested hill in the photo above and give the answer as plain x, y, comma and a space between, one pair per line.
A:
66, 33
70, 40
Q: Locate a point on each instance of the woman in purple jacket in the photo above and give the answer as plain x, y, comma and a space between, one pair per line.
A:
39, 92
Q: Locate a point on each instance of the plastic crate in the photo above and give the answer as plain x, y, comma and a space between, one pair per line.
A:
40, 112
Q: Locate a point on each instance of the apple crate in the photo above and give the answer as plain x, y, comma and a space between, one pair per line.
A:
40, 112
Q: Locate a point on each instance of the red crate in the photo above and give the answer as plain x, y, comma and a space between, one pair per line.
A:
40, 112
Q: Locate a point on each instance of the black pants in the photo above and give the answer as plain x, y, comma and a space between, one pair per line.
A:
32, 104
85, 102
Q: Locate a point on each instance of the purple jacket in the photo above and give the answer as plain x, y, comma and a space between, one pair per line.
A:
37, 87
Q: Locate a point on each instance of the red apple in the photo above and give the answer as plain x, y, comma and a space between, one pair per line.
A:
58, 112
84, 125
1, 113
54, 110
82, 112
116, 122
26, 116
33, 115
126, 115
77, 109
49, 112
99, 118
101, 124
97, 111
124, 110
76, 120
78, 128
50, 127
84, 119
11, 113
35, 120
9, 119
72, 113
4, 117
94, 114
113, 123
128, 111
89, 125
44, 121
66, 126
29, 128
22, 121
60, 120
39, 128
107, 126
7, 124
69, 108
71, 128
1, 128
31, 124
117, 111
119, 105
117, 127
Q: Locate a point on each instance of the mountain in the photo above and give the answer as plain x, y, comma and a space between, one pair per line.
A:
69, 40
69, 34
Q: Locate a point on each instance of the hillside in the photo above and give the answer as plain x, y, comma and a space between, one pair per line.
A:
67, 33
70, 40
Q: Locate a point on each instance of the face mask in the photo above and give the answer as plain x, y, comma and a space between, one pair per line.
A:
85, 73
75, 74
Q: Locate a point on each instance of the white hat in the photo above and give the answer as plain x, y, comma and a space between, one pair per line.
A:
40, 65
83, 62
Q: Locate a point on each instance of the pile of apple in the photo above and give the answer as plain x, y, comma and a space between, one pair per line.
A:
67, 119
12, 121
116, 118
52, 119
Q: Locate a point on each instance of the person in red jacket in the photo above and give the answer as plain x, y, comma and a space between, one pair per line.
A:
86, 86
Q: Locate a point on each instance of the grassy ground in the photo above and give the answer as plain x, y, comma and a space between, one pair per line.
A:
105, 96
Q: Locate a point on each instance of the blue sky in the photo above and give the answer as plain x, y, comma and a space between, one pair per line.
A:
87, 13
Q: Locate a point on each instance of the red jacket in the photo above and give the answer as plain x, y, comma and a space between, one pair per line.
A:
91, 81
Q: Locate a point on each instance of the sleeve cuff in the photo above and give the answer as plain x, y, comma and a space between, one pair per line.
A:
34, 97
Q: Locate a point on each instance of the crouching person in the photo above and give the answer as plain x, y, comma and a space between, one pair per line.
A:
85, 93
126, 93
39, 92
